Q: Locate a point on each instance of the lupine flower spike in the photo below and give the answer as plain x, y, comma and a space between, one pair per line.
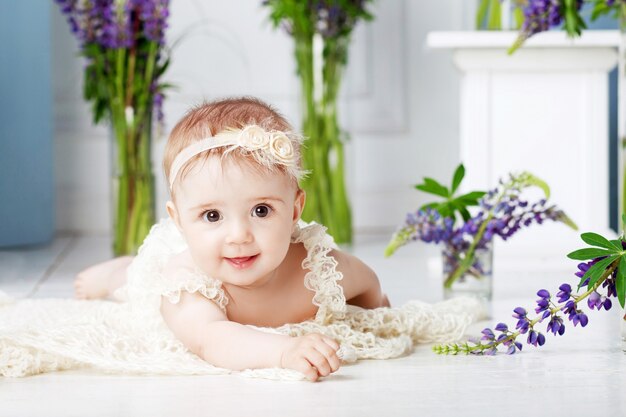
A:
502, 213
602, 276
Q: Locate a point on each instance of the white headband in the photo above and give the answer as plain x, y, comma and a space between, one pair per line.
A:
271, 148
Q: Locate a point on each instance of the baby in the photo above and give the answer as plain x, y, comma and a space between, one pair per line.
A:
233, 168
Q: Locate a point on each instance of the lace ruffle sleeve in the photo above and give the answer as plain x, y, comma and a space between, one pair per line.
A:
146, 281
323, 276
194, 281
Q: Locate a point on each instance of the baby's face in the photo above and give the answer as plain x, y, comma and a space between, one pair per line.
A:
236, 222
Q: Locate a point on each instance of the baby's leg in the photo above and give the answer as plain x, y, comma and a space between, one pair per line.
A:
101, 280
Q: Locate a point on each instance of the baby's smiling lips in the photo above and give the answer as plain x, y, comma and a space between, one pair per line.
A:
242, 262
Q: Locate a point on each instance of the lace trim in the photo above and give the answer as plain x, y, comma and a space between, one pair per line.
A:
323, 276
146, 282
195, 281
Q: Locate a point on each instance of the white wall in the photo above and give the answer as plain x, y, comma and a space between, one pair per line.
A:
400, 102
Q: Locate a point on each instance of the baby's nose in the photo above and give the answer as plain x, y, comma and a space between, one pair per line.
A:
239, 232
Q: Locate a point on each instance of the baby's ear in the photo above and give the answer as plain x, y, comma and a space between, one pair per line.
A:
173, 213
298, 205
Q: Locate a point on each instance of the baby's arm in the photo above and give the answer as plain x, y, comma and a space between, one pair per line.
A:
206, 331
360, 284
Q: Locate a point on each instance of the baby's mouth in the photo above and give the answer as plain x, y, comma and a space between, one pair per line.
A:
242, 262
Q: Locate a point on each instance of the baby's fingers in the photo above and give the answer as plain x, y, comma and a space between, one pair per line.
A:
330, 342
309, 371
319, 361
330, 353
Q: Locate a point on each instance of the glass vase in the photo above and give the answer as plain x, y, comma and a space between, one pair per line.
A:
321, 62
476, 281
624, 331
132, 180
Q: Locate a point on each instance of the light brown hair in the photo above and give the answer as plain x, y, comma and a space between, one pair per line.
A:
210, 118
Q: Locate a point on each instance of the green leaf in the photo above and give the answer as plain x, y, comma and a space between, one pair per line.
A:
567, 221
519, 42
471, 199
538, 182
433, 187
428, 206
599, 9
444, 209
573, 22
620, 281
465, 214
459, 173
595, 239
595, 272
588, 253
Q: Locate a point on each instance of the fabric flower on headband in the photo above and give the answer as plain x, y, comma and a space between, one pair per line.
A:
268, 149
281, 148
254, 137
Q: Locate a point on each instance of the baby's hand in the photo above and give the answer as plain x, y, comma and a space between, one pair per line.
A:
313, 354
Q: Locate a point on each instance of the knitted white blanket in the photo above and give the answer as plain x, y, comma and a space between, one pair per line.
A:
47, 335
44, 335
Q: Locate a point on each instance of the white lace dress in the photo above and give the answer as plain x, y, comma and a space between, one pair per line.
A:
43, 335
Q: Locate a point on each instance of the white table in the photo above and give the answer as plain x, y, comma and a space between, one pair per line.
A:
543, 109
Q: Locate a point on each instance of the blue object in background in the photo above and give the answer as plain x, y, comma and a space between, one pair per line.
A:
608, 22
26, 136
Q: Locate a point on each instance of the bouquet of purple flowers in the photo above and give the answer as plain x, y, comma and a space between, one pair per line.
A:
123, 42
502, 213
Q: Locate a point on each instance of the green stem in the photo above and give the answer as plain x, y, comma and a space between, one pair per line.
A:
553, 310
468, 260
131, 120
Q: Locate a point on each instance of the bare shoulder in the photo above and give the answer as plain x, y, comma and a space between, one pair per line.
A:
189, 303
177, 263
357, 276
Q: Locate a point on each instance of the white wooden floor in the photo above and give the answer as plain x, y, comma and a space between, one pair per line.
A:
582, 373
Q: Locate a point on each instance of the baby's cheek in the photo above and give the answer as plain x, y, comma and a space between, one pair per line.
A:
204, 254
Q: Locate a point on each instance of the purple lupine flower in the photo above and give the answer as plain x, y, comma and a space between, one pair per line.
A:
519, 313
597, 301
609, 284
104, 25
153, 14
583, 267
502, 327
568, 306
594, 300
535, 338
574, 314
333, 20
522, 322
541, 15
555, 325
112, 24
488, 334
564, 293
543, 303
580, 318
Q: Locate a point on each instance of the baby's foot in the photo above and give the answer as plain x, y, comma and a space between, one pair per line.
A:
101, 280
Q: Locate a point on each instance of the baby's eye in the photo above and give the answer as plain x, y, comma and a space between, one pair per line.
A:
262, 210
211, 216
